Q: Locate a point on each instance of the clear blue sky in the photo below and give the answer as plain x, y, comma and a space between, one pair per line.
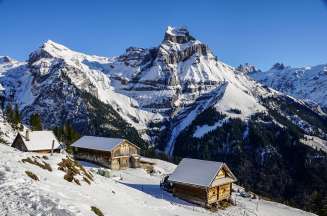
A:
260, 32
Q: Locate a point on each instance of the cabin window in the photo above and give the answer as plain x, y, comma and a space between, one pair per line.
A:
221, 174
124, 149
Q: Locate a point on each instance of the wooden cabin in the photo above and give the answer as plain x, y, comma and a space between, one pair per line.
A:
113, 153
36, 141
202, 182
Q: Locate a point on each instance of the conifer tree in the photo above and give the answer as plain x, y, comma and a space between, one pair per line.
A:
66, 134
13, 116
9, 113
16, 116
35, 122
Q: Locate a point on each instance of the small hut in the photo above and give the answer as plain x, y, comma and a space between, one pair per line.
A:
202, 182
36, 141
113, 153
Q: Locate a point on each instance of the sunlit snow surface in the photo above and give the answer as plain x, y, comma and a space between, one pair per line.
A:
128, 192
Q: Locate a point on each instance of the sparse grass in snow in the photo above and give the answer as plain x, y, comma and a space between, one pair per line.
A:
69, 176
97, 211
225, 204
43, 165
73, 169
32, 175
86, 180
77, 181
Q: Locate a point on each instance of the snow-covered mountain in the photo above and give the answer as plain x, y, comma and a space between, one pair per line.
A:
157, 91
182, 100
306, 83
168, 83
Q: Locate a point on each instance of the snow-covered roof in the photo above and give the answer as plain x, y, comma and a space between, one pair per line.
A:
197, 172
40, 140
97, 143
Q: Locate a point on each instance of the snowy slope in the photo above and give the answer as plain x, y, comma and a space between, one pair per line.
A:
159, 90
92, 79
52, 195
169, 83
307, 83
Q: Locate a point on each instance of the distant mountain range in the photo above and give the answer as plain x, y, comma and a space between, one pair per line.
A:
180, 99
305, 83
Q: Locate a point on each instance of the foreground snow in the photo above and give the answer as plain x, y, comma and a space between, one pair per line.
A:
128, 192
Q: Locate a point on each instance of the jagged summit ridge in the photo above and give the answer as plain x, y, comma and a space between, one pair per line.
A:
247, 68
49, 49
278, 66
179, 35
53, 50
5, 59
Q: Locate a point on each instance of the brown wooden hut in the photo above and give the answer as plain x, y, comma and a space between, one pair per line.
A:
202, 182
113, 153
36, 141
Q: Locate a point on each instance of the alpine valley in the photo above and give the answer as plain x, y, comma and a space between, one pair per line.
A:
178, 99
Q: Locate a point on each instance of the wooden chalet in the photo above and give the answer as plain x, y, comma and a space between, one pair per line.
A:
36, 141
202, 182
113, 153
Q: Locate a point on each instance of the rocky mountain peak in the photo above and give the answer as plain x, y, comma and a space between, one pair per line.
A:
133, 50
5, 59
247, 68
51, 49
278, 66
177, 35
179, 45
52, 44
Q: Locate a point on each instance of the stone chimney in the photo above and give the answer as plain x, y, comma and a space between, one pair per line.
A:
27, 135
